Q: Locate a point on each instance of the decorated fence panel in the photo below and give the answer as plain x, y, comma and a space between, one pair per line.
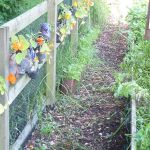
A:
22, 98
28, 63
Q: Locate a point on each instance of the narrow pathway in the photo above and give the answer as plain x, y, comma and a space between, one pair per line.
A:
89, 120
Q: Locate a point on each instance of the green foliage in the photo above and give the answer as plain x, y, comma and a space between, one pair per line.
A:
136, 19
83, 57
12, 8
143, 125
25, 44
143, 137
81, 12
63, 59
71, 64
135, 77
73, 71
2, 85
128, 89
99, 13
137, 61
47, 128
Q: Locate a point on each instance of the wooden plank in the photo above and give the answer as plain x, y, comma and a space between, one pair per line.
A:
25, 133
51, 67
19, 86
58, 2
26, 18
4, 66
133, 124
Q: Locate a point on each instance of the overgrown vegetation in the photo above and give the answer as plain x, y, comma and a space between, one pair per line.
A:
71, 64
99, 13
134, 79
10, 9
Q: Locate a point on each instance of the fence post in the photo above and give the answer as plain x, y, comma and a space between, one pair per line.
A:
51, 66
4, 67
133, 122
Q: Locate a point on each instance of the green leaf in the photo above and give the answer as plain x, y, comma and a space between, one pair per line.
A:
14, 39
81, 13
20, 56
45, 48
33, 43
78, 14
63, 30
25, 43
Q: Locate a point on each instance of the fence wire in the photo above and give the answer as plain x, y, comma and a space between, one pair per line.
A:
29, 100
68, 2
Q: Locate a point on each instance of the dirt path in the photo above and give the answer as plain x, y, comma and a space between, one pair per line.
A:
90, 119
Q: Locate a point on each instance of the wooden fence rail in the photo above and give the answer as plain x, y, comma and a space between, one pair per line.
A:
6, 31
133, 123
4, 118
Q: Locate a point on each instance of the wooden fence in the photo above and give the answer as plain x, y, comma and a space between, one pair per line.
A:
6, 31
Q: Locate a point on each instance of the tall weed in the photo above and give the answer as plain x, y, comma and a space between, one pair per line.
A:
99, 13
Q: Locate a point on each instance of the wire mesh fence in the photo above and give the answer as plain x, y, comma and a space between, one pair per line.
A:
29, 101
68, 2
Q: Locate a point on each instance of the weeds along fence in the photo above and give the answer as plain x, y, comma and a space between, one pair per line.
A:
22, 100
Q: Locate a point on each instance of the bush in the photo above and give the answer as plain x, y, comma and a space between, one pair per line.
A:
12, 8
71, 66
136, 72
